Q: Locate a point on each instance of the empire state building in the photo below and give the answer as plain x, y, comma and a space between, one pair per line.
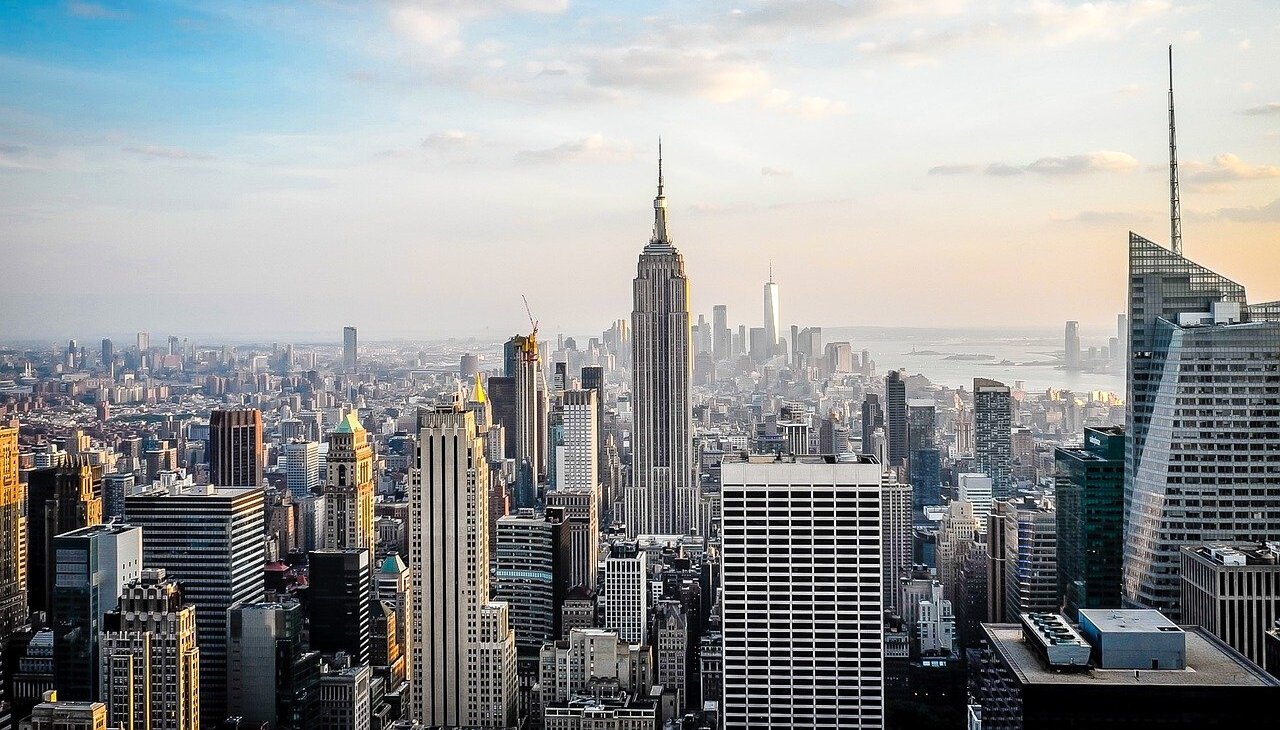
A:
663, 496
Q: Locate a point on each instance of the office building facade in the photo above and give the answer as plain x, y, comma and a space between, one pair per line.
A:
802, 585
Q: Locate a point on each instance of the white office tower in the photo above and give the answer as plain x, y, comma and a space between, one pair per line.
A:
936, 624
302, 467
626, 593
895, 543
771, 315
150, 662
976, 490
801, 596
576, 459
464, 653
663, 497
578, 491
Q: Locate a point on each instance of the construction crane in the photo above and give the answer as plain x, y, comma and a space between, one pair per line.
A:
531, 342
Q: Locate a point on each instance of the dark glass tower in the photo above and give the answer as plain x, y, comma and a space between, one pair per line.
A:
1090, 507
895, 398
339, 592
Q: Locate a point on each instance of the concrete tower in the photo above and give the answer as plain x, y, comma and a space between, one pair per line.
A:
464, 652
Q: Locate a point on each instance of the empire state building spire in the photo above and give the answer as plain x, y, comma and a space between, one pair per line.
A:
660, 206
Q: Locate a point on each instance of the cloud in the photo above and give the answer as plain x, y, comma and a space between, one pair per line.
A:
438, 24
167, 153
1104, 161
449, 140
1082, 164
717, 75
16, 157
1105, 217
92, 10
1000, 169
1067, 22
953, 169
806, 107
1271, 107
1269, 213
593, 149
775, 172
1230, 168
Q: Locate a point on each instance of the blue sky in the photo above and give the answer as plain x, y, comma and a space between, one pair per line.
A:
413, 167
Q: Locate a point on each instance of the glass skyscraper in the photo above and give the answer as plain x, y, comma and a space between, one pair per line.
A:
1202, 458
1089, 488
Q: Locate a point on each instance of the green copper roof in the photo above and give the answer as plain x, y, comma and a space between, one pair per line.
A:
393, 564
349, 424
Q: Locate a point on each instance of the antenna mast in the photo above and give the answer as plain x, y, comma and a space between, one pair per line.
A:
1175, 205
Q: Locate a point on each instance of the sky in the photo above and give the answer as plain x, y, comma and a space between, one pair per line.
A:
283, 169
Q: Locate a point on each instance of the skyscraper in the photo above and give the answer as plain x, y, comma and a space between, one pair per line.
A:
302, 467
993, 434
235, 448
530, 575
803, 628
350, 355
150, 661
771, 315
663, 497
1089, 494
338, 602
528, 433
1030, 558
1072, 346
721, 337
1200, 436
280, 687
211, 540
872, 418
348, 488
59, 499
895, 397
626, 591
13, 568
464, 669
896, 538
923, 458
578, 458
92, 565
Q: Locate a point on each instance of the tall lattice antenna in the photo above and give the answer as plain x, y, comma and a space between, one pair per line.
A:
1175, 206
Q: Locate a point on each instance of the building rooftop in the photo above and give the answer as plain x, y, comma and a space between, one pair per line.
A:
1238, 555
1209, 663
745, 458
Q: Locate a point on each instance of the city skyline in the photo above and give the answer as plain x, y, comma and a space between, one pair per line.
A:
375, 140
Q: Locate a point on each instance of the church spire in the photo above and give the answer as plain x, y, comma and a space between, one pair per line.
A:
660, 205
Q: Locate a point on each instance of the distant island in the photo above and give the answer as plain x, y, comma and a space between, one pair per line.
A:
924, 352
967, 356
